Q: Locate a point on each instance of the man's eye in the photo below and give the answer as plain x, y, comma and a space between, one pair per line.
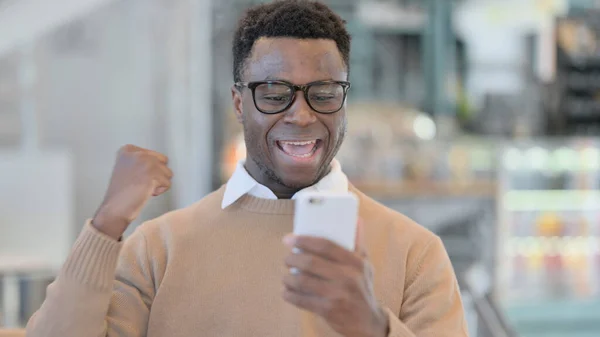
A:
322, 98
276, 98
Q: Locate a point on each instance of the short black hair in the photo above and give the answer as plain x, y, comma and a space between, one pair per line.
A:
300, 19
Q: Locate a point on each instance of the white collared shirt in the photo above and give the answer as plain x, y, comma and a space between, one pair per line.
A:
242, 183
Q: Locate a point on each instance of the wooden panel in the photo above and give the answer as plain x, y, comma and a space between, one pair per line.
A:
12, 333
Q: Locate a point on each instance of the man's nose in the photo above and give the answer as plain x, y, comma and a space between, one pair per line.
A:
300, 113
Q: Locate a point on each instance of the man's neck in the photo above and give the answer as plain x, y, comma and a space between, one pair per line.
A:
280, 190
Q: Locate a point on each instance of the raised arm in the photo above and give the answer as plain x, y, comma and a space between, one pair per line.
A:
105, 287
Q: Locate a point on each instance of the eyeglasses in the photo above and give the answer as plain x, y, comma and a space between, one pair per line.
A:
272, 97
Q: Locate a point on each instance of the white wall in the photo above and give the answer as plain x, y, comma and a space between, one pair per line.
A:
40, 16
96, 93
122, 74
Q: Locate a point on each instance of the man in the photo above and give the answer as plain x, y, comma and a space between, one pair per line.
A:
219, 267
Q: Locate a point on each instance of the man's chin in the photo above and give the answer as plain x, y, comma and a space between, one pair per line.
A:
298, 182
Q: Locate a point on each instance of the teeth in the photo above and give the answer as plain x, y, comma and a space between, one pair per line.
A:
300, 143
302, 155
290, 151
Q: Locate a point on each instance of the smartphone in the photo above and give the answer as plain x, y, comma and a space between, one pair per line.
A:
332, 216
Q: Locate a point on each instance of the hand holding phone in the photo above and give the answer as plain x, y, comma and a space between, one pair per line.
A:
324, 278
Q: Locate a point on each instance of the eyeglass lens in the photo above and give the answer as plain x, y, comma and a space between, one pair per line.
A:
274, 97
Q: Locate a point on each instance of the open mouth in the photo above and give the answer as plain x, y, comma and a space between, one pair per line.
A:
299, 149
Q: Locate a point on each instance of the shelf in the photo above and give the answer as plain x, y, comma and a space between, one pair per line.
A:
583, 82
569, 310
579, 62
587, 118
394, 189
564, 247
563, 318
585, 108
552, 200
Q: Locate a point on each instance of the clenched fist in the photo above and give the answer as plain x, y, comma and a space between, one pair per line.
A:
138, 175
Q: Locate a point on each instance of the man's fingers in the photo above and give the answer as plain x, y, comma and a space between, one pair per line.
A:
159, 190
161, 157
162, 182
307, 302
136, 149
312, 264
307, 284
164, 169
325, 249
161, 185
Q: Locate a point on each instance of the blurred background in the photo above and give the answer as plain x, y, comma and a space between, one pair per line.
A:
476, 118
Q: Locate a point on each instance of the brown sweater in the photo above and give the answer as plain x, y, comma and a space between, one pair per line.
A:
204, 271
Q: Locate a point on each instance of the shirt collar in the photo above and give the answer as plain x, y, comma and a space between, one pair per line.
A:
242, 183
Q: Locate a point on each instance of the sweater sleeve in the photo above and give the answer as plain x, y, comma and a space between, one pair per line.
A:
432, 306
104, 289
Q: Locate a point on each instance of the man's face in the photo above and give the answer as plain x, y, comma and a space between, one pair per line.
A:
294, 148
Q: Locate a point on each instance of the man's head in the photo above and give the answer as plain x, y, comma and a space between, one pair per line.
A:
291, 135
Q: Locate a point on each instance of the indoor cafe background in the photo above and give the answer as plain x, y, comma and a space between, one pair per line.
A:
477, 118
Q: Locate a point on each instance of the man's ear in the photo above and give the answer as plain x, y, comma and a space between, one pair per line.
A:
236, 97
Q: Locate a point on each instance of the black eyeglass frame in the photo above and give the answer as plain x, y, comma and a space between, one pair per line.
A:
294, 88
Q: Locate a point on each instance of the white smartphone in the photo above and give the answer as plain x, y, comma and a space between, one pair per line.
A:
332, 216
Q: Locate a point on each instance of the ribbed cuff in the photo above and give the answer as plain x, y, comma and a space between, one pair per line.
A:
93, 259
397, 328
